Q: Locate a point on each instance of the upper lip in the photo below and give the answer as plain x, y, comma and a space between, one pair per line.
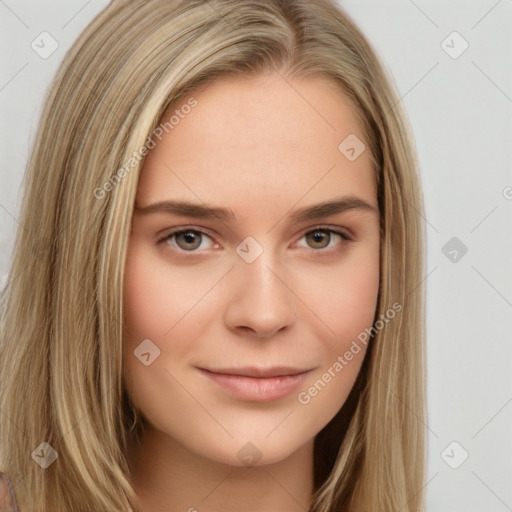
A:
253, 371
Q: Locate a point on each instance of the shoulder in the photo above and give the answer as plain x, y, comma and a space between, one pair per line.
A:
7, 498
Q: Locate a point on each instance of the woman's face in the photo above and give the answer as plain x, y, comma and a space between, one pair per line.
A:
240, 327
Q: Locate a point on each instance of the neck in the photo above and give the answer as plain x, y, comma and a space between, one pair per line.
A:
167, 477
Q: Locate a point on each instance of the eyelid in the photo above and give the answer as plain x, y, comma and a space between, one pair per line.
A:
344, 232
183, 229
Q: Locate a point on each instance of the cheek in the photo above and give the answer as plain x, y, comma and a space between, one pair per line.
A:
155, 301
345, 296
346, 304
158, 296
151, 309
162, 303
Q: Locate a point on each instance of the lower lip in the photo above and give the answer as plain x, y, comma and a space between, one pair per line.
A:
257, 389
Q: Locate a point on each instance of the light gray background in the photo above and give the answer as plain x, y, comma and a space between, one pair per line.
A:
460, 110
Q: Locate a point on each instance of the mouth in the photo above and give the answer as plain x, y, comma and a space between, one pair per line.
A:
254, 384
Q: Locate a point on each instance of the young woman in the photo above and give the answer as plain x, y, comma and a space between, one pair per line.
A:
216, 297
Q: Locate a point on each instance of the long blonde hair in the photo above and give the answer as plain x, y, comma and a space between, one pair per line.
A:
62, 316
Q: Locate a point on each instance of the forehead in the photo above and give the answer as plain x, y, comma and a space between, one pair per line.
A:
266, 138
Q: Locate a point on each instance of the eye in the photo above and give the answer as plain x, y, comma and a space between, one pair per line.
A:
193, 240
321, 238
187, 240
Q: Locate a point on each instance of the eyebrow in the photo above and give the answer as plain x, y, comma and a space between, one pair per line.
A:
205, 211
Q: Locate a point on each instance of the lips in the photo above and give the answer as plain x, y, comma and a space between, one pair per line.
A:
257, 384
252, 371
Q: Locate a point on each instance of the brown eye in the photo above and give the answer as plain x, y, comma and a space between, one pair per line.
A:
319, 239
325, 238
188, 240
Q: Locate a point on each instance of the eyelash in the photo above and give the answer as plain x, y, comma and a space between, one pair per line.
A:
345, 237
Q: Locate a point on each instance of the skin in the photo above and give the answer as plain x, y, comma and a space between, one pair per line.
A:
262, 147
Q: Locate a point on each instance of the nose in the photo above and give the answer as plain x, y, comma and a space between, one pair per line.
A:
260, 298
